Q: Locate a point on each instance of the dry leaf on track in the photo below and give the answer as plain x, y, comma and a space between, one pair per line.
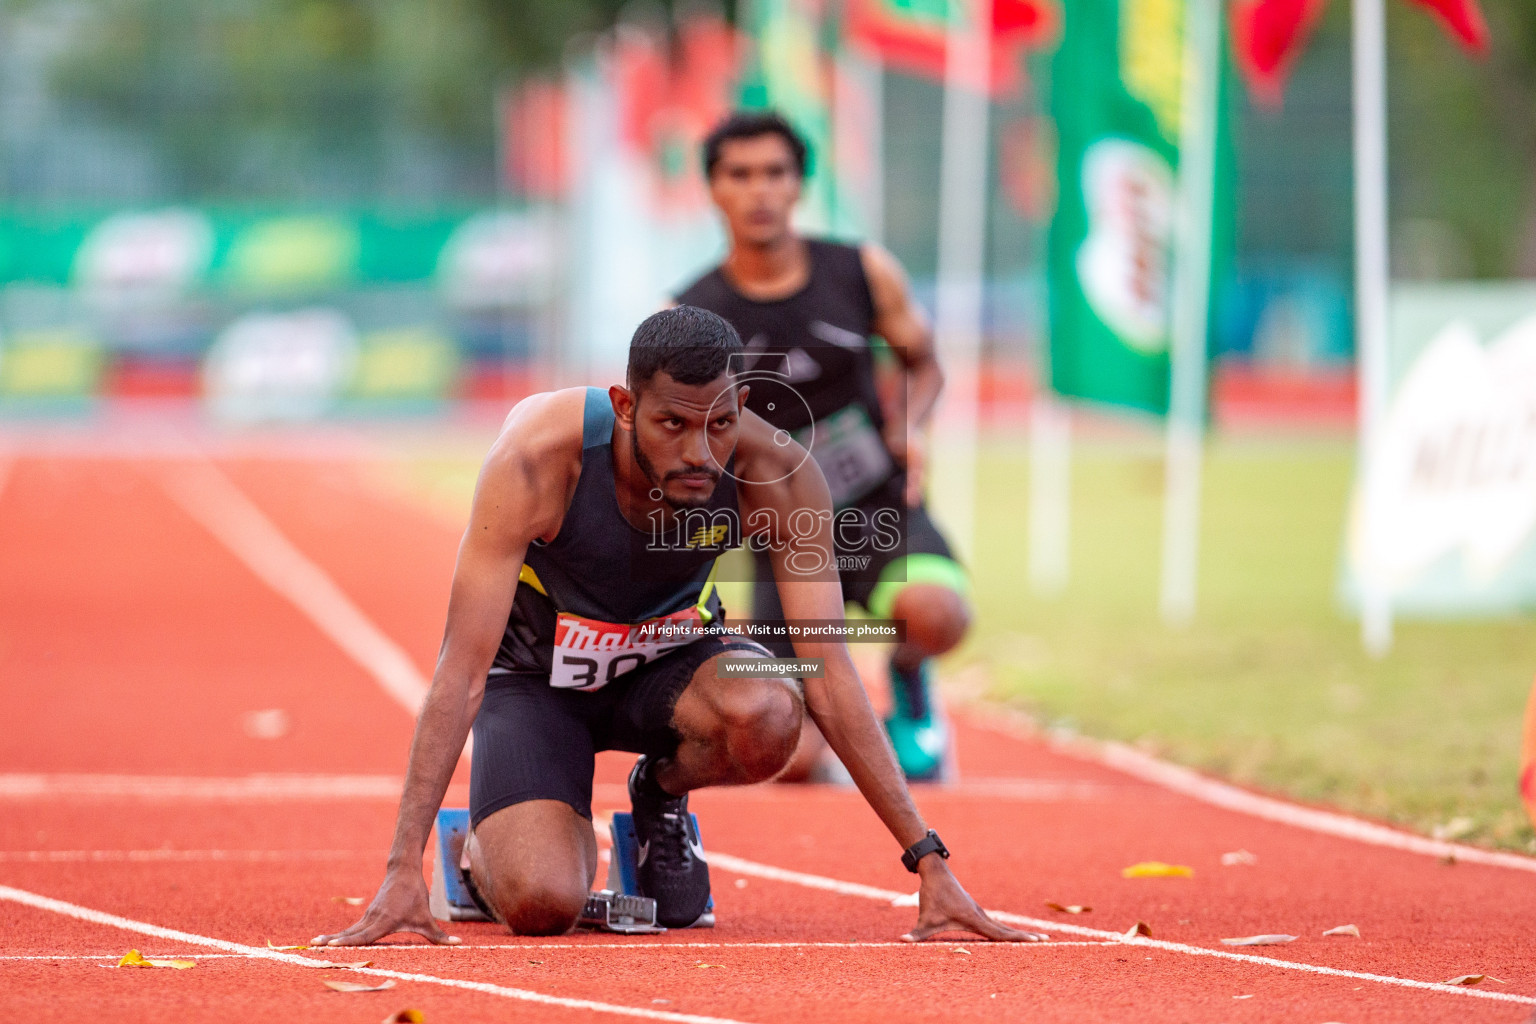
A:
1068, 908
133, 958
340, 965
961, 949
1260, 940
1237, 857
1157, 869
353, 986
1344, 929
270, 946
1140, 928
701, 965
1472, 979
351, 901
405, 1017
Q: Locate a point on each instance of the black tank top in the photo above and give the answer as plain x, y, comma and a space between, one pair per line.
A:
583, 597
813, 364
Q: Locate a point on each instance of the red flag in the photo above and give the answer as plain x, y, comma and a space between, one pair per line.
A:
911, 36
1269, 34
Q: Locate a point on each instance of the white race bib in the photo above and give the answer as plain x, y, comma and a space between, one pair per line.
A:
589, 653
851, 453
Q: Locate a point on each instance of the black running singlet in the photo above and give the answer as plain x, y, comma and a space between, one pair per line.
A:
819, 341
604, 597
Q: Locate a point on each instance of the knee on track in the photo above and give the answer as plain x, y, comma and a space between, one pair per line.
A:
539, 906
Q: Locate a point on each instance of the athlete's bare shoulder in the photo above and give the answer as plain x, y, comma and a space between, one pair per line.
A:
536, 459
887, 279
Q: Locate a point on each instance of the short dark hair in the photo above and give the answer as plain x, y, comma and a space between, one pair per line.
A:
691, 345
750, 124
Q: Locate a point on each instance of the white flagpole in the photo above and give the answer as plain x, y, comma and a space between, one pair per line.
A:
1371, 279
1191, 307
961, 261
1050, 488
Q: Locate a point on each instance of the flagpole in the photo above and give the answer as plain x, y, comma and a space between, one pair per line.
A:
962, 259
1372, 280
1201, 110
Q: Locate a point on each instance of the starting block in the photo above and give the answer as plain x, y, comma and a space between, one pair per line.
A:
617, 908
623, 858
448, 898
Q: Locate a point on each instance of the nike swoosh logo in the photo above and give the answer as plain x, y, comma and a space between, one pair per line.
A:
645, 848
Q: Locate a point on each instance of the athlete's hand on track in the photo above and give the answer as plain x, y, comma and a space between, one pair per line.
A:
944, 906
399, 906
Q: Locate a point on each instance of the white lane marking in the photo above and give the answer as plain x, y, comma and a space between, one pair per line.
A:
601, 947
1190, 783
24, 786
175, 856
747, 867
213, 500
34, 900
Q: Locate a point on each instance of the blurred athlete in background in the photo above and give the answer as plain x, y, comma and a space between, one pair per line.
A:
810, 309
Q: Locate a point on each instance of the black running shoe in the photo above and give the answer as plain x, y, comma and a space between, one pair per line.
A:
669, 860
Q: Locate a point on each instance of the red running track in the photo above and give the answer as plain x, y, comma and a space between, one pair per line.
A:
141, 812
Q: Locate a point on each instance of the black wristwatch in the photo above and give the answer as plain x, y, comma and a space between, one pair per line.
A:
930, 843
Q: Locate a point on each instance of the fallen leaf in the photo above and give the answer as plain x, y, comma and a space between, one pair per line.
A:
701, 965
535, 961
1260, 940
1344, 929
905, 901
1157, 869
1237, 857
1070, 908
1243, 997
1140, 928
959, 949
353, 986
133, 958
270, 946
341, 965
405, 1017
351, 901
1472, 979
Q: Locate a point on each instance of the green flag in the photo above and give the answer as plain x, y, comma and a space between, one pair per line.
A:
1116, 95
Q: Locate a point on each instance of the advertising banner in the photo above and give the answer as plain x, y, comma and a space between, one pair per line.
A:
1444, 518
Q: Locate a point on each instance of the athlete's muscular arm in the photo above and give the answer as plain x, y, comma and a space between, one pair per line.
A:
523, 489
904, 326
795, 512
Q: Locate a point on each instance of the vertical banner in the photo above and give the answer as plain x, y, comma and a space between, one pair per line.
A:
1117, 99
790, 75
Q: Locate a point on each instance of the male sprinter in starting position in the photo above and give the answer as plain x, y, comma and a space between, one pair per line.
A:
582, 530
811, 306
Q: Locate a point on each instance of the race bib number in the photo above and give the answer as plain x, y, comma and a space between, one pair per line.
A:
589, 654
851, 453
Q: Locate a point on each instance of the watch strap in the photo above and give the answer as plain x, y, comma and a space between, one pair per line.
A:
930, 843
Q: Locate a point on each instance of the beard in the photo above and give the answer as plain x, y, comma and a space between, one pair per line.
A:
659, 480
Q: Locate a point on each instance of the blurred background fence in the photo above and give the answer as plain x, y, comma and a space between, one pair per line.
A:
292, 208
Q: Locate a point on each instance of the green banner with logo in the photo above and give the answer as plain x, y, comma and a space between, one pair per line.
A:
1117, 100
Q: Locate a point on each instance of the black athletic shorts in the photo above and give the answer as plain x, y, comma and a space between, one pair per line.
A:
860, 563
534, 741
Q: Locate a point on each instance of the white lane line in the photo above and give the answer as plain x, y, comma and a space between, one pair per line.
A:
1190, 783
746, 867
23, 786
176, 856
34, 900
213, 500
603, 947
